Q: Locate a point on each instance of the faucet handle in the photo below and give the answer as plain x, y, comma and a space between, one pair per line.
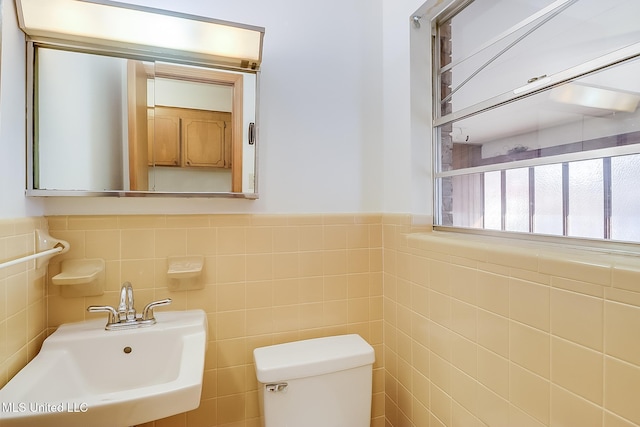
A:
126, 309
113, 314
147, 313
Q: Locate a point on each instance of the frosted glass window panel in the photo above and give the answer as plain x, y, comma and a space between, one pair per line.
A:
467, 201
547, 216
492, 201
517, 200
625, 198
586, 199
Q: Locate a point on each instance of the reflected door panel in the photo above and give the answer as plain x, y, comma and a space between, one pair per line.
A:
166, 141
204, 143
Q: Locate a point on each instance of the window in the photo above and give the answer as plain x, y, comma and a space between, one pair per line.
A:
537, 125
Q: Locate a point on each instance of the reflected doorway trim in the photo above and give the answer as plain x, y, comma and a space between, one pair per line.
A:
233, 80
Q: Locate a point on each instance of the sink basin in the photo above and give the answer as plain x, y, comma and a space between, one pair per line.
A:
87, 376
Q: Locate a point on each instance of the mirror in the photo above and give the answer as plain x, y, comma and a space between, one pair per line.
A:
117, 124
131, 100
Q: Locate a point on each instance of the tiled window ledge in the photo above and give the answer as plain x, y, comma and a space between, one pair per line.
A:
611, 271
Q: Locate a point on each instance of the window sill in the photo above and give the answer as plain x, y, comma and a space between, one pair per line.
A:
594, 271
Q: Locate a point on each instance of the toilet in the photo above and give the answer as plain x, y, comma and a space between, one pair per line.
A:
320, 382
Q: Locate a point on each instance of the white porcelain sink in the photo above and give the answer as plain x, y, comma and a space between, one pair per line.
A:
87, 376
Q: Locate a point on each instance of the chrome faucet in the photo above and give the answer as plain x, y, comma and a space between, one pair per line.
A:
125, 317
126, 309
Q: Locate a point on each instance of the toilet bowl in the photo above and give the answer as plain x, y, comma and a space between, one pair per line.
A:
321, 382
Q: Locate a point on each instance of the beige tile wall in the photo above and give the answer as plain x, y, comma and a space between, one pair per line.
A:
22, 301
473, 332
482, 333
267, 279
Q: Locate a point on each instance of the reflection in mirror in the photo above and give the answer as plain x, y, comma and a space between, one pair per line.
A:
107, 123
79, 141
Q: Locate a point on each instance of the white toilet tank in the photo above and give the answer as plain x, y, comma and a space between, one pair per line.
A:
321, 382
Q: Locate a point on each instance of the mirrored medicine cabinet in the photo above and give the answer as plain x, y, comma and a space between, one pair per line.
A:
111, 116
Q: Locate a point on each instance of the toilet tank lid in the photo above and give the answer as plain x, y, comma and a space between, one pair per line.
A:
318, 356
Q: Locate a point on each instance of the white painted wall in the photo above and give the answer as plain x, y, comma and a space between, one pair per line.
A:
335, 129
185, 94
13, 203
407, 111
80, 122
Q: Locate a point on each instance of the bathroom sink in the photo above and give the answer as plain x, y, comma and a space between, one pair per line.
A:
87, 376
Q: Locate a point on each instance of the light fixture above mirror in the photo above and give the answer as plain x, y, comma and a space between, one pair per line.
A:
120, 25
141, 86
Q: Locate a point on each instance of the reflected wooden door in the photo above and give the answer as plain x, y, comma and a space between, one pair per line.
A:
137, 116
166, 139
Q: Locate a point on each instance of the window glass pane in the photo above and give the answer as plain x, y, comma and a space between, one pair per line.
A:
492, 201
564, 160
517, 200
594, 112
625, 198
467, 202
548, 199
444, 189
470, 25
586, 199
574, 33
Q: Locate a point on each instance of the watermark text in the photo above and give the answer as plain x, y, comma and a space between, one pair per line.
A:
43, 407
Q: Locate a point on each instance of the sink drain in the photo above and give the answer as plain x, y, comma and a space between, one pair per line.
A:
127, 350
